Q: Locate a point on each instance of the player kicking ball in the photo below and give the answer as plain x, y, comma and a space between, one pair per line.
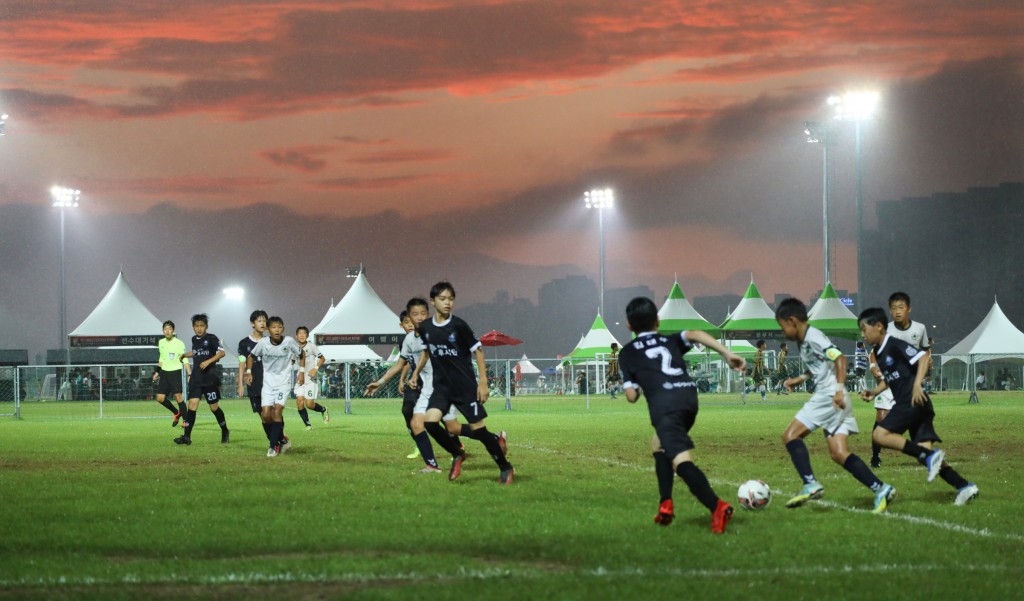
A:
277, 352
653, 364
828, 408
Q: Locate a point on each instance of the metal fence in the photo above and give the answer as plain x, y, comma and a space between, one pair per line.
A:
122, 390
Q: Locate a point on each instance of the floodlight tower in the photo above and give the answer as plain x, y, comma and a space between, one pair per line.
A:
822, 133
600, 199
857, 107
3, 123
64, 198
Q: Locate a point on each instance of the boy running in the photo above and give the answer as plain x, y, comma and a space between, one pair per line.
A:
277, 352
204, 381
250, 375
781, 369
449, 343
828, 408
168, 372
903, 367
653, 364
307, 389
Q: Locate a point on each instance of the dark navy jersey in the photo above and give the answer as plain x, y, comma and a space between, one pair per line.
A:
654, 363
451, 346
203, 348
898, 362
245, 347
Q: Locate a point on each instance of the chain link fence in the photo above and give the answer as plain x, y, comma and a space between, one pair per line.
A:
96, 391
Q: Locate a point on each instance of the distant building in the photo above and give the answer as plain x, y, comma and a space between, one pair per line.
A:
952, 253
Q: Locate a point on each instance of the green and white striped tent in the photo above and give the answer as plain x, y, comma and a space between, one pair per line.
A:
596, 342
752, 318
832, 317
677, 315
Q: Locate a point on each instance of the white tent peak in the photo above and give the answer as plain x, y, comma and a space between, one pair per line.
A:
119, 313
995, 337
361, 311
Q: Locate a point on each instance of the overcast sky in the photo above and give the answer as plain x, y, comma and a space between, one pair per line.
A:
463, 135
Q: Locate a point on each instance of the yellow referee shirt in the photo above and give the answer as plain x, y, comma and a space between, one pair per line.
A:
170, 353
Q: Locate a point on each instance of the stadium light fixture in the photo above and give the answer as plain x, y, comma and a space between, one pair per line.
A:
64, 198
600, 199
821, 133
234, 293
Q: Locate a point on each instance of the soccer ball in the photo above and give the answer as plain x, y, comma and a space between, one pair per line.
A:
754, 494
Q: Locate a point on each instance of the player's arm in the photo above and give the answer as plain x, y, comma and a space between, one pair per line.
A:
482, 390
629, 385
867, 395
424, 357
699, 337
837, 356
242, 371
922, 369
213, 359
403, 377
399, 365
320, 360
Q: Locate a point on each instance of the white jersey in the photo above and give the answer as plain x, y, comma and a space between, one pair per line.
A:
819, 355
412, 348
311, 359
277, 360
916, 334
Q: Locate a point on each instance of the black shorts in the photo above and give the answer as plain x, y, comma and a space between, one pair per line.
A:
204, 390
170, 383
442, 399
917, 420
859, 371
673, 429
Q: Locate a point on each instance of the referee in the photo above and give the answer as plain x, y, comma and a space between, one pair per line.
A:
168, 372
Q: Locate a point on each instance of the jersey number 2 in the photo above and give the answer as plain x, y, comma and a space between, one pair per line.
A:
660, 352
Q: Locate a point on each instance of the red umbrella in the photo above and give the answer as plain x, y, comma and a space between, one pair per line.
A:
496, 338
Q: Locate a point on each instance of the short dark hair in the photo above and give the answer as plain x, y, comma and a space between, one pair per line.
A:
403, 315
440, 287
899, 296
760, 344
302, 329
417, 301
860, 344
168, 323
258, 313
784, 346
275, 319
642, 314
873, 316
200, 317
791, 307
615, 345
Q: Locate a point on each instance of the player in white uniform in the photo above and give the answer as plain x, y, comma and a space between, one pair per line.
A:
412, 348
913, 333
828, 408
307, 389
277, 352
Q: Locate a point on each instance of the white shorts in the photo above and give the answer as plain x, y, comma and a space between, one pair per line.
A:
884, 400
819, 412
421, 404
310, 389
274, 395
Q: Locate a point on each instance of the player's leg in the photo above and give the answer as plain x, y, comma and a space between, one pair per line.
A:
300, 406
194, 392
311, 394
666, 478
419, 436
792, 438
267, 417
479, 431
213, 400
925, 435
278, 423
883, 402
839, 450
673, 431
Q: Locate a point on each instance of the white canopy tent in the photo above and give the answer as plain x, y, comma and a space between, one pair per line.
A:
995, 339
120, 320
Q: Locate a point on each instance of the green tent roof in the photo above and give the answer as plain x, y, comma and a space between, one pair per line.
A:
752, 318
832, 317
677, 314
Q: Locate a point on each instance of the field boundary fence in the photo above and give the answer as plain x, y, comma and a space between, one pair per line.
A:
99, 391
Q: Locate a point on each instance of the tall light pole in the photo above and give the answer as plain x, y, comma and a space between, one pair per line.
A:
600, 200
3, 123
64, 198
822, 133
857, 107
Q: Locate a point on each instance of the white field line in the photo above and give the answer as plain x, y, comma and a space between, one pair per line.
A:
912, 519
463, 574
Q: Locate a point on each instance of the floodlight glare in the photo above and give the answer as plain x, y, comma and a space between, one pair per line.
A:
65, 197
854, 106
234, 293
599, 199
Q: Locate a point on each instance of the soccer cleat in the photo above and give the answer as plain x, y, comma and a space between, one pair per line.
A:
883, 497
429, 469
507, 476
503, 442
224, 436
876, 462
183, 440
327, 416
666, 513
966, 494
273, 452
456, 470
284, 446
934, 463
415, 453
721, 516
810, 491
177, 418
309, 427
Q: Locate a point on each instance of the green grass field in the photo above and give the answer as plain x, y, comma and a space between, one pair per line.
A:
112, 509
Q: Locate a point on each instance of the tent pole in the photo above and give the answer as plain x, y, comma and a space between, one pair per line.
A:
508, 385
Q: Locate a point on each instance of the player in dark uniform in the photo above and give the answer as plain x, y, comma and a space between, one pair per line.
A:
451, 348
653, 363
903, 367
204, 381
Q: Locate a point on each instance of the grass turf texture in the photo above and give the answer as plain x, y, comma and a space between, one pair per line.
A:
113, 509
